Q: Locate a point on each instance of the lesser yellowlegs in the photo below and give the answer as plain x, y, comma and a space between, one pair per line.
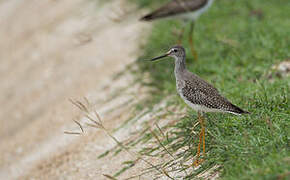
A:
198, 94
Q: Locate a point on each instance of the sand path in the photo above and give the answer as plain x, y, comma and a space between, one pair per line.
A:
51, 51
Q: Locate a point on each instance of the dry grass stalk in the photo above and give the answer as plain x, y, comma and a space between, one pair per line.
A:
96, 122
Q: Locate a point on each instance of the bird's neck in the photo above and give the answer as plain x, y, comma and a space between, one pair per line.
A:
180, 66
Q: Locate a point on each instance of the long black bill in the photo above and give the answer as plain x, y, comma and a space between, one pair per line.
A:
159, 57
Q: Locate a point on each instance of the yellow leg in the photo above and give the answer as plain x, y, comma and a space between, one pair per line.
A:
201, 141
191, 44
198, 149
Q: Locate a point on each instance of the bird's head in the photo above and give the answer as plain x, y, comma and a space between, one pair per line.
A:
175, 51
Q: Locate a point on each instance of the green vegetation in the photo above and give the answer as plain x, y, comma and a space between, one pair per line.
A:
238, 42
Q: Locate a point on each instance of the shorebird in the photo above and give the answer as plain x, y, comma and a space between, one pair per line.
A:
198, 94
187, 10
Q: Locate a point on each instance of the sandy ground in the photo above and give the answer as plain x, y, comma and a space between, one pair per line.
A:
51, 51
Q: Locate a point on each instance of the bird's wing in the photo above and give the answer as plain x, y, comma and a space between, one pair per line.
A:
198, 91
175, 7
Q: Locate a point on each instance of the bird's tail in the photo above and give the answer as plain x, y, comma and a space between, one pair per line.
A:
238, 110
148, 17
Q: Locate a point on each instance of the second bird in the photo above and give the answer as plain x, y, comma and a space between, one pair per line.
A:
187, 10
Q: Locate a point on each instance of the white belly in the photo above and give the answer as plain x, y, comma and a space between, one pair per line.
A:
200, 108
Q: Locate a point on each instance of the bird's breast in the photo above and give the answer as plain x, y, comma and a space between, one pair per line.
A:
179, 86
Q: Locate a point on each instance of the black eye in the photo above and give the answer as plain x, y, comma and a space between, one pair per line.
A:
175, 50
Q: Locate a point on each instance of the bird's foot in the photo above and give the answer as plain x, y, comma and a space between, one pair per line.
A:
197, 162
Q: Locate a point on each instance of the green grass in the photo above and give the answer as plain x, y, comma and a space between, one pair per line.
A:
237, 49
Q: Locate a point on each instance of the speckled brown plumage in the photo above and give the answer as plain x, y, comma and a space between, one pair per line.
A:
199, 92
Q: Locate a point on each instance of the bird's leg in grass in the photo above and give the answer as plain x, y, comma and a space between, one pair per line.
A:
201, 140
191, 44
203, 136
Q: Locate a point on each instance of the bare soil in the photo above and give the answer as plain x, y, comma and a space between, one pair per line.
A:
51, 51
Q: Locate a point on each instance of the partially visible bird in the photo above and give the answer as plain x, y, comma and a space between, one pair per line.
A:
187, 10
198, 94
